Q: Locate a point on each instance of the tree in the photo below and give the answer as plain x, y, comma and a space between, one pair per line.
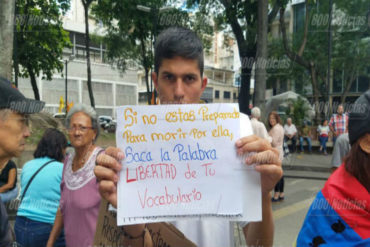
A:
308, 47
86, 4
298, 56
261, 56
130, 31
6, 37
40, 39
241, 17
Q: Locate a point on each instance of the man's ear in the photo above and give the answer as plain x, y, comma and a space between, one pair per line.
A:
204, 83
155, 80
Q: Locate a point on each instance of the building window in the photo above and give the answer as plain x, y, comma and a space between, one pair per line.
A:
217, 94
226, 95
234, 95
363, 84
143, 97
299, 17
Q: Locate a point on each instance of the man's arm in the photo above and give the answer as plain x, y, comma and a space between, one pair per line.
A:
11, 180
331, 127
261, 233
269, 166
106, 170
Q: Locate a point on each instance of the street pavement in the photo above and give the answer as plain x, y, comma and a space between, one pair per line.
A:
305, 175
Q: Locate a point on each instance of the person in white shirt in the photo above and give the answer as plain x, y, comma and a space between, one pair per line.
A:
290, 133
323, 131
178, 78
259, 129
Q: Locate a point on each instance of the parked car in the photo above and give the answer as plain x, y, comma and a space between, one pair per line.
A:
107, 123
60, 115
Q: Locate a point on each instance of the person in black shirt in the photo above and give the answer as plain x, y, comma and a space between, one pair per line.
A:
8, 181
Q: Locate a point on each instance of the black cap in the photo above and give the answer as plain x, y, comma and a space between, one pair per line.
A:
359, 118
11, 98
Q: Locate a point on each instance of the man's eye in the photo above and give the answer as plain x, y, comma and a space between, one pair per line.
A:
189, 78
168, 77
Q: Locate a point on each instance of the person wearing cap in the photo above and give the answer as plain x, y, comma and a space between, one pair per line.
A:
14, 108
339, 215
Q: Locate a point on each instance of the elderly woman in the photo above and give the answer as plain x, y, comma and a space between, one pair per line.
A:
80, 199
339, 215
40, 183
277, 134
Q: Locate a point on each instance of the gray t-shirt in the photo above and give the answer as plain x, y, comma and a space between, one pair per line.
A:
5, 234
341, 149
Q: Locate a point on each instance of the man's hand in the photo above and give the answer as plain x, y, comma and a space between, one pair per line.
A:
266, 158
106, 169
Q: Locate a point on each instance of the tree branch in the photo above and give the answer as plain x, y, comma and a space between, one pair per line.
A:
292, 55
304, 41
235, 26
274, 11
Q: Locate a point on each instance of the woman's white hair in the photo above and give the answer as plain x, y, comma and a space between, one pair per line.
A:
256, 112
88, 110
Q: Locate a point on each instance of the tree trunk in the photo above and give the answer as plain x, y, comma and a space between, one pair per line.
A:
89, 86
244, 94
146, 69
261, 57
316, 93
347, 88
33, 82
148, 93
6, 37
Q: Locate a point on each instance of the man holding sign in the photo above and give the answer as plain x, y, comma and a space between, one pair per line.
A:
178, 79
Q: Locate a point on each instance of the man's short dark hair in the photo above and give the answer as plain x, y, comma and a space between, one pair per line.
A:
181, 42
51, 145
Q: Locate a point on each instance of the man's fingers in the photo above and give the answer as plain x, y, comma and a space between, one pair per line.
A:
108, 191
115, 153
108, 161
257, 145
270, 156
271, 170
247, 139
103, 173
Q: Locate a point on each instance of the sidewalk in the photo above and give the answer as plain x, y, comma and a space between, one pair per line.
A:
311, 166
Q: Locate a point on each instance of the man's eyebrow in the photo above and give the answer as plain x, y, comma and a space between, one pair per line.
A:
167, 73
191, 74
186, 74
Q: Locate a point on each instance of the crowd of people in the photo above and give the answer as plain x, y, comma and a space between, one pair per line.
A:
61, 192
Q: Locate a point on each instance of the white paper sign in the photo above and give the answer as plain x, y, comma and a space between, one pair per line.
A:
249, 191
179, 160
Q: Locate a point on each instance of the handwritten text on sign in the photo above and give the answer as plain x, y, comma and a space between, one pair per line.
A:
180, 160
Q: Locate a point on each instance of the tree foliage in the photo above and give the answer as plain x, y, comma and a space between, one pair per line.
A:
40, 39
131, 31
307, 47
240, 18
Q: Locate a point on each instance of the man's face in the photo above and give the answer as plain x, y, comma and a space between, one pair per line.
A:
289, 121
340, 109
179, 81
13, 134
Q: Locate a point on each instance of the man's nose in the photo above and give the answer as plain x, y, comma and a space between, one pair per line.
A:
26, 132
179, 89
